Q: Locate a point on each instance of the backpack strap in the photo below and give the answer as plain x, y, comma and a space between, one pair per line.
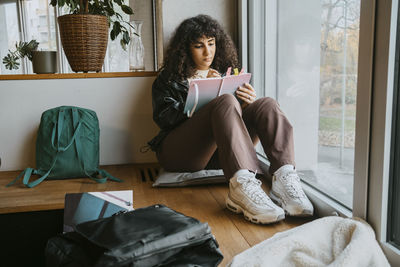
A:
27, 173
16, 179
104, 175
60, 125
27, 176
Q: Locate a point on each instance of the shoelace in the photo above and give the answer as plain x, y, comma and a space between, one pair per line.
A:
252, 187
292, 185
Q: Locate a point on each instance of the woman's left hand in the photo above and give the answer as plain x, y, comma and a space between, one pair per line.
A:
247, 94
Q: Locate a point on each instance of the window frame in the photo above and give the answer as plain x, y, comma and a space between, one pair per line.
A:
381, 118
394, 171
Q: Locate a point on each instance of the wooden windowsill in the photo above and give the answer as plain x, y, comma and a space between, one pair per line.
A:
204, 202
77, 75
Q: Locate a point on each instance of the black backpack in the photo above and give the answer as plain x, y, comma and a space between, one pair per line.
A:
152, 236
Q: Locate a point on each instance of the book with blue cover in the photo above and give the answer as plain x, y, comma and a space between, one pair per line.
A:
83, 207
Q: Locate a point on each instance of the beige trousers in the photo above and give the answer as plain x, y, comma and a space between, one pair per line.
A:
222, 135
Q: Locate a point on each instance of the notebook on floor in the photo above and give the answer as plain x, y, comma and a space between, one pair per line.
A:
83, 207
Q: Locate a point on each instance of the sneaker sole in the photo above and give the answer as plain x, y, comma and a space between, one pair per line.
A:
277, 200
257, 219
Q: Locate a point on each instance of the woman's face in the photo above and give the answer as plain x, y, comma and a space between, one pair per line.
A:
203, 51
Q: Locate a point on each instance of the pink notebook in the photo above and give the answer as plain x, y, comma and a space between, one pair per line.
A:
202, 91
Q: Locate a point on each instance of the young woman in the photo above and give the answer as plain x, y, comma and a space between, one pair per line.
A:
222, 134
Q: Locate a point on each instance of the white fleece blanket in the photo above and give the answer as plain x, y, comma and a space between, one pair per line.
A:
329, 241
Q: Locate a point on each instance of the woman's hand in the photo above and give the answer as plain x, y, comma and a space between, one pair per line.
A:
213, 73
247, 94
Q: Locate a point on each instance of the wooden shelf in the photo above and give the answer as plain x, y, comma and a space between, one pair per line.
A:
77, 75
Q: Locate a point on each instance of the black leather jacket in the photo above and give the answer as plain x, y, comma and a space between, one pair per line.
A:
169, 97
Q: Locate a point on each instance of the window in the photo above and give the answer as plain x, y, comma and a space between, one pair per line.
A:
37, 17
310, 68
38, 20
9, 31
376, 148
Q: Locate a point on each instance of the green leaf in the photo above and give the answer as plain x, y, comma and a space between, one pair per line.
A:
117, 27
72, 5
112, 35
127, 9
11, 61
24, 49
110, 11
126, 37
123, 45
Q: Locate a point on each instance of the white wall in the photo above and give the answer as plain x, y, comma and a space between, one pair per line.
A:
123, 106
175, 11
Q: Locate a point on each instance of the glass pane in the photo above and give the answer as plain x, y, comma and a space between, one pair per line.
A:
317, 53
9, 32
117, 59
39, 24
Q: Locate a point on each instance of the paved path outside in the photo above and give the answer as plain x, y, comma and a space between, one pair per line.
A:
330, 177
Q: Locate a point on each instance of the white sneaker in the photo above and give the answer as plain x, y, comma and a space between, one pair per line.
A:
246, 195
288, 193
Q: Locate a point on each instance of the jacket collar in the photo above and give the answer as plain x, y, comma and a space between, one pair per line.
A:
185, 84
182, 85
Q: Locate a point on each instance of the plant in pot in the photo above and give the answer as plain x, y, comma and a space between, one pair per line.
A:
84, 31
42, 61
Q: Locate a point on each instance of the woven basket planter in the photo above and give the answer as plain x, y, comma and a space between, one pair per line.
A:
84, 38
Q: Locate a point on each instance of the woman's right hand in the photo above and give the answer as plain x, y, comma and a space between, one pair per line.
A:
213, 74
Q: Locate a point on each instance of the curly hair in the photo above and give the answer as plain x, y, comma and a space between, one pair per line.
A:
178, 62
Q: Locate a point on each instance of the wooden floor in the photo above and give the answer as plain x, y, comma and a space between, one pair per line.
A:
206, 203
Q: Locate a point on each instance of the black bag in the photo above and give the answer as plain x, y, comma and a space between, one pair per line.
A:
152, 236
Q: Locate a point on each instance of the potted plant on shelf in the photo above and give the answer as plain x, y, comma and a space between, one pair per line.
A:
42, 61
84, 31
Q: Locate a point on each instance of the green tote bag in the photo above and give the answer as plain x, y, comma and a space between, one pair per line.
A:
67, 146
